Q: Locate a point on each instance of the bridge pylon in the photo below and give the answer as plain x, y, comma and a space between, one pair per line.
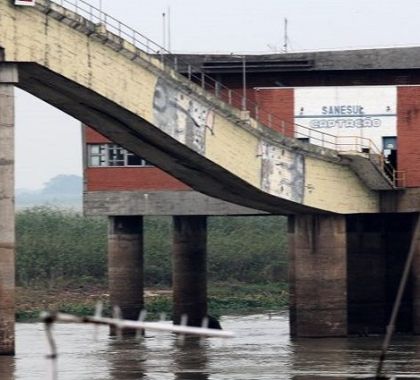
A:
8, 77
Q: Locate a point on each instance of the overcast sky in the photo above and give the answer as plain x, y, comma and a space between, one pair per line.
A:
48, 141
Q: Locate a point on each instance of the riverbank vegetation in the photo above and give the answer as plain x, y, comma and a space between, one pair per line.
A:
61, 262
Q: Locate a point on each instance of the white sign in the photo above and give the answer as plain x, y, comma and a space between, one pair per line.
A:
366, 112
29, 3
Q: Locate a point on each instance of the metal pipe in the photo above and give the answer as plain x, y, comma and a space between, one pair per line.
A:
128, 324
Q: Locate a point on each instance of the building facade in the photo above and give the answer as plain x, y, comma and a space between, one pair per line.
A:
346, 101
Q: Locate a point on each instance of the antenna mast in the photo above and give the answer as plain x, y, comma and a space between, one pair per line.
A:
169, 28
164, 30
286, 38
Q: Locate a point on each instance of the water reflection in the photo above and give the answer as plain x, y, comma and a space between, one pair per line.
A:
329, 355
7, 368
262, 350
190, 359
126, 358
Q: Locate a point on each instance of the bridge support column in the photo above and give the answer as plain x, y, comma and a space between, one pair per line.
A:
367, 281
190, 268
125, 265
318, 275
8, 76
416, 285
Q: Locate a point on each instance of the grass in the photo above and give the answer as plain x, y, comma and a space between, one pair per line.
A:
223, 298
246, 298
61, 263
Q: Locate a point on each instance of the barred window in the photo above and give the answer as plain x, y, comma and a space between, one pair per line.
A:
112, 155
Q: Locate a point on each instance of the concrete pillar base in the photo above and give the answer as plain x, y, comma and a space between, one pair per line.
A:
125, 266
345, 272
378, 245
415, 272
8, 76
189, 269
366, 281
318, 276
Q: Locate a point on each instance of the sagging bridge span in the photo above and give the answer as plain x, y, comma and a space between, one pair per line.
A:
111, 78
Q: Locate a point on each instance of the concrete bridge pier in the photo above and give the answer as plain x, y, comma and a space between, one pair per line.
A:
416, 286
8, 76
318, 275
367, 275
189, 269
345, 272
125, 265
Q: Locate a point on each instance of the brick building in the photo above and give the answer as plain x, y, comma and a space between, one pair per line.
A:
350, 223
371, 96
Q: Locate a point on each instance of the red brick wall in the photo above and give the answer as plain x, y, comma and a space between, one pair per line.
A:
280, 103
114, 179
93, 137
126, 178
408, 132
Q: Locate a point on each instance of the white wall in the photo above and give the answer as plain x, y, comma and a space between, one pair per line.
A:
366, 112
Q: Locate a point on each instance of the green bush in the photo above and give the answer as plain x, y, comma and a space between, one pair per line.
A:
55, 244
157, 251
247, 249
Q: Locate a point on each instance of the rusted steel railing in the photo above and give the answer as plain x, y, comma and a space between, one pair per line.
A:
234, 98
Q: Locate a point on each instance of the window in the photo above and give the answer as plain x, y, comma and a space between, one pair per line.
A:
97, 155
112, 155
116, 156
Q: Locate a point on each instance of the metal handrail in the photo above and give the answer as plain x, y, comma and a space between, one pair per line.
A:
233, 98
399, 179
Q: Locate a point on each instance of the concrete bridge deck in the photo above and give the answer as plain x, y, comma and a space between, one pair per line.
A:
135, 100
132, 98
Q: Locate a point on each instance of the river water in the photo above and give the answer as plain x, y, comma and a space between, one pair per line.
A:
261, 349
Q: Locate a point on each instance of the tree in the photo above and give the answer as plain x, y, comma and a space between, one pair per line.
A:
64, 184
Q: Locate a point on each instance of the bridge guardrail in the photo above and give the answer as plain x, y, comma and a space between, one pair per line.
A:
234, 98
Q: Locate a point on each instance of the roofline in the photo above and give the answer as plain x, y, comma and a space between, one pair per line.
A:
393, 58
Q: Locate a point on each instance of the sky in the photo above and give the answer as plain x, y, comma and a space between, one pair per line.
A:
48, 142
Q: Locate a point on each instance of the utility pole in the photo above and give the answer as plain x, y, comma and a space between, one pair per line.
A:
164, 30
169, 29
286, 38
244, 95
100, 11
244, 100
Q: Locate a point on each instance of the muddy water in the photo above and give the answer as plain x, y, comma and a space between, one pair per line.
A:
261, 350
